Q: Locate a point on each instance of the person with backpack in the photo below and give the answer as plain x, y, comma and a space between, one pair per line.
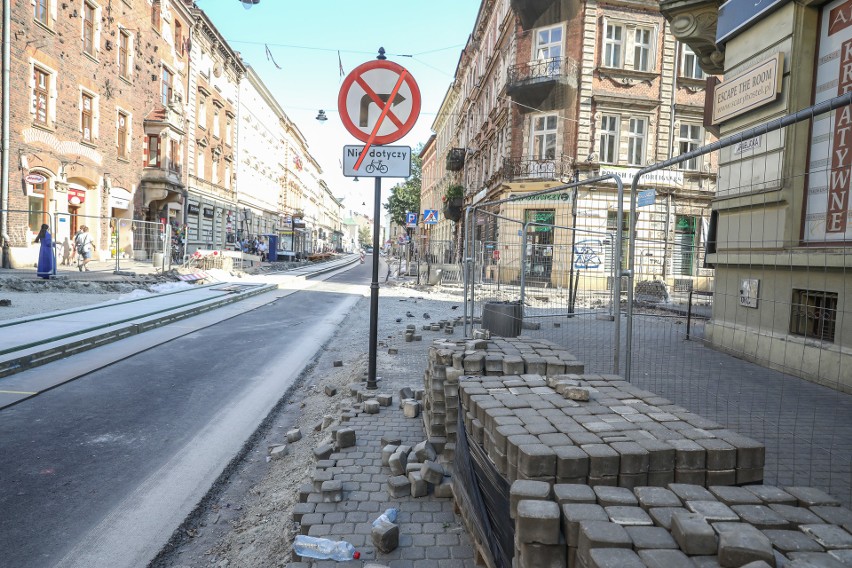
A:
83, 244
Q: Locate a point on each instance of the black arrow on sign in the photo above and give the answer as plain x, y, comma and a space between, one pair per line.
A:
365, 105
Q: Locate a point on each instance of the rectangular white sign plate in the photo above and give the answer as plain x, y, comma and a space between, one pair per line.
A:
381, 161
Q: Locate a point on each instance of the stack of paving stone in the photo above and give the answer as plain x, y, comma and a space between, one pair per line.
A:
683, 525
622, 436
414, 471
449, 360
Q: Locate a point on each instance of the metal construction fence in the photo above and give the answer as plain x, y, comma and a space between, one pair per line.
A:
741, 312
119, 243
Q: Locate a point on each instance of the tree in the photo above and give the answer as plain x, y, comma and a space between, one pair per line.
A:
405, 196
365, 237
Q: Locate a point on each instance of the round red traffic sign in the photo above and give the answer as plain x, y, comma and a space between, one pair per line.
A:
380, 100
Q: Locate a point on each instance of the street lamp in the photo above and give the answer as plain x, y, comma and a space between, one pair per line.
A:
247, 4
321, 117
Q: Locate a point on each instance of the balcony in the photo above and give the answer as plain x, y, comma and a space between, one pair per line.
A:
531, 83
529, 11
455, 159
545, 169
168, 173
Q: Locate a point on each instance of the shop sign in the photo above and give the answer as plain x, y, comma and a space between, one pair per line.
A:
119, 198
561, 197
35, 179
753, 88
737, 15
658, 177
208, 212
298, 223
76, 196
192, 209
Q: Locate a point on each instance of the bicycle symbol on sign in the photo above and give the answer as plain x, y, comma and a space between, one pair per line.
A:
376, 165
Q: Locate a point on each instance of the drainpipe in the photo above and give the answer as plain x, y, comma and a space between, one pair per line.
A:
4, 164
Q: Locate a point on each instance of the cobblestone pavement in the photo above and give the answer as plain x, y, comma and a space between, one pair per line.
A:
431, 534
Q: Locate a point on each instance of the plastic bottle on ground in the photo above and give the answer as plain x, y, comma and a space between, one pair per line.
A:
324, 549
389, 516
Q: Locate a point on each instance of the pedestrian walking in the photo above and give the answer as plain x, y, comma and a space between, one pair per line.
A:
44, 268
66, 252
83, 243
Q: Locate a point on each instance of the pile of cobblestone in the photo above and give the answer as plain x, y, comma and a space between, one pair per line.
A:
683, 525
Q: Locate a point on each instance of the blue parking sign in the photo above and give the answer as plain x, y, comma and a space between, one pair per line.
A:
410, 219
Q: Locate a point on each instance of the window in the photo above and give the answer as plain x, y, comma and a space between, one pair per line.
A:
636, 141
202, 111
609, 139
813, 314
41, 12
612, 45
41, 96
214, 171
155, 15
228, 126
122, 134
124, 53
167, 86
612, 226
685, 245
178, 38
35, 206
689, 67
174, 156
88, 28
548, 43
227, 181
690, 139
199, 163
153, 151
216, 131
643, 50
544, 137
86, 117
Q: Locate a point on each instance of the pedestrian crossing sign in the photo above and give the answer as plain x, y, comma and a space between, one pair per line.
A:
430, 216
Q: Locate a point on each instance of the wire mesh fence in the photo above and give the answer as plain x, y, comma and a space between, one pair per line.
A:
725, 311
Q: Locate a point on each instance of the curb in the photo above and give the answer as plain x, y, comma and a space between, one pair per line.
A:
37, 356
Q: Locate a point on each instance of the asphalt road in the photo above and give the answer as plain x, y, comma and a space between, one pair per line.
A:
101, 470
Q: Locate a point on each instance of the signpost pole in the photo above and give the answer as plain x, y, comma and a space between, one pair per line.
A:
374, 289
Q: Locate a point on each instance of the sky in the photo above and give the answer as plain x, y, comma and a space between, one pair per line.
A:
293, 45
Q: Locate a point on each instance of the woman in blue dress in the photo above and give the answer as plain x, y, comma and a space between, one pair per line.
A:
45, 253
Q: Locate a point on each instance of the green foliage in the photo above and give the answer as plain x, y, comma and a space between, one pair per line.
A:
405, 196
365, 237
454, 192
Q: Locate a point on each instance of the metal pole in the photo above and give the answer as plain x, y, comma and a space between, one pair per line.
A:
689, 313
468, 288
616, 285
4, 158
374, 289
571, 297
523, 260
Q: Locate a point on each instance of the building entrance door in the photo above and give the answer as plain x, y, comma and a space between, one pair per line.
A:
539, 264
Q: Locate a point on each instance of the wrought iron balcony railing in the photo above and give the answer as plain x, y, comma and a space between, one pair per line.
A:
538, 168
545, 70
455, 159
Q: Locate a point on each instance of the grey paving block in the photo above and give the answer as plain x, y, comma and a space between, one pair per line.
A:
788, 541
760, 516
600, 534
645, 537
628, 516
649, 497
332, 491
323, 451
689, 455
692, 533
385, 536
615, 496
811, 496
432, 472
712, 511
574, 493
545, 555
614, 558
812, 560
720, 454
399, 486
537, 521
346, 437
734, 495
660, 478
830, 537
575, 513
737, 548
603, 460
665, 559
527, 489
796, 515
691, 492
771, 494
633, 458
833, 515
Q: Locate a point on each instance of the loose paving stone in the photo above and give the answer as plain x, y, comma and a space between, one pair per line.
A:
419, 486
771, 494
796, 515
574, 514
332, 491
712, 511
811, 496
649, 497
830, 537
537, 521
614, 558
385, 536
346, 437
645, 537
323, 452
565, 493
665, 559
792, 541
737, 548
600, 534
527, 489
432, 472
693, 534
330, 390
399, 486
760, 516
279, 452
